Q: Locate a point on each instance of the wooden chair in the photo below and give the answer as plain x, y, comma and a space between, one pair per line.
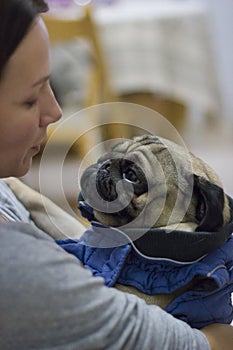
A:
62, 30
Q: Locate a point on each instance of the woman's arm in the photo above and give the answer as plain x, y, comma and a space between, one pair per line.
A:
49, 301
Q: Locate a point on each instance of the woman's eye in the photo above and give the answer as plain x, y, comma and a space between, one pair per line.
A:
131, 176
31, 103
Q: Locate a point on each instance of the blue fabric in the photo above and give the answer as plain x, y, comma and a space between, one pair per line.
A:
208, 302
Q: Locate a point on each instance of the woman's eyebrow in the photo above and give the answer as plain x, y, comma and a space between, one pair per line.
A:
41, 81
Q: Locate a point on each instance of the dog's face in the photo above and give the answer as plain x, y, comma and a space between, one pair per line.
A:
153, 182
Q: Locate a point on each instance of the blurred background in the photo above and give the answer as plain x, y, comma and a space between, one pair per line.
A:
172, 56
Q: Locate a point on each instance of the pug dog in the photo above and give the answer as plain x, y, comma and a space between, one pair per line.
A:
157, 186
159, 179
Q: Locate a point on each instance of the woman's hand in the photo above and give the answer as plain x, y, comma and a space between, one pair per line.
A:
220, 336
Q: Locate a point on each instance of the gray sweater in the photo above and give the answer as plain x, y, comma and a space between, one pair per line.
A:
48, 301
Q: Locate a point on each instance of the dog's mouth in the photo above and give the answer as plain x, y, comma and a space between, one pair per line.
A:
114, 170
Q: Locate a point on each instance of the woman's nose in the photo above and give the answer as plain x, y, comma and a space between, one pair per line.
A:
51, 111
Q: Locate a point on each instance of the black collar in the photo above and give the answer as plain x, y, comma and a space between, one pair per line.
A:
176, 245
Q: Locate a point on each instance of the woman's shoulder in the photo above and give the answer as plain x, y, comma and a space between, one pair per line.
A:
10, 206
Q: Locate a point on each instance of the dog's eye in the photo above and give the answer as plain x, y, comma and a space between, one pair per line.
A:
131, 176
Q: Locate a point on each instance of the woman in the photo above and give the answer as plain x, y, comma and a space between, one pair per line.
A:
47, 300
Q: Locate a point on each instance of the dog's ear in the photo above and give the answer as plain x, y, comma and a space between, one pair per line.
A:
210, 204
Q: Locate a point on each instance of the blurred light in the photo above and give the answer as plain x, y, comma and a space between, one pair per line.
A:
82, 2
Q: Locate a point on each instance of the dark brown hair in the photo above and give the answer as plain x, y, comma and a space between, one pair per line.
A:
16, 18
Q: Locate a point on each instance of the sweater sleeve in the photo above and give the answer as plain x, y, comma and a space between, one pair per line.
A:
48, 301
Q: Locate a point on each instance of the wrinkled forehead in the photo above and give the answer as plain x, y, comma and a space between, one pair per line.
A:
135, 150
128, 145
150, 142
151, 151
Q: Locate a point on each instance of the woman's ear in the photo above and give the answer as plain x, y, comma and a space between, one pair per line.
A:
210, 204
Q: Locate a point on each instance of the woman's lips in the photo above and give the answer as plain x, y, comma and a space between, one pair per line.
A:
36, 149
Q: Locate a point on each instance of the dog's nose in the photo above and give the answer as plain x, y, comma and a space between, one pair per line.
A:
112, 168
105, 166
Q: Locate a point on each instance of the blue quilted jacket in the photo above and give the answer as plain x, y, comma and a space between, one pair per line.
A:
120, 262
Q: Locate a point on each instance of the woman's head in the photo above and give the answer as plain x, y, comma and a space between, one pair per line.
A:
16, 17
27, 104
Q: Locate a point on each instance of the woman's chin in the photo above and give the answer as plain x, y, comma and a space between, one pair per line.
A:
23, 168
